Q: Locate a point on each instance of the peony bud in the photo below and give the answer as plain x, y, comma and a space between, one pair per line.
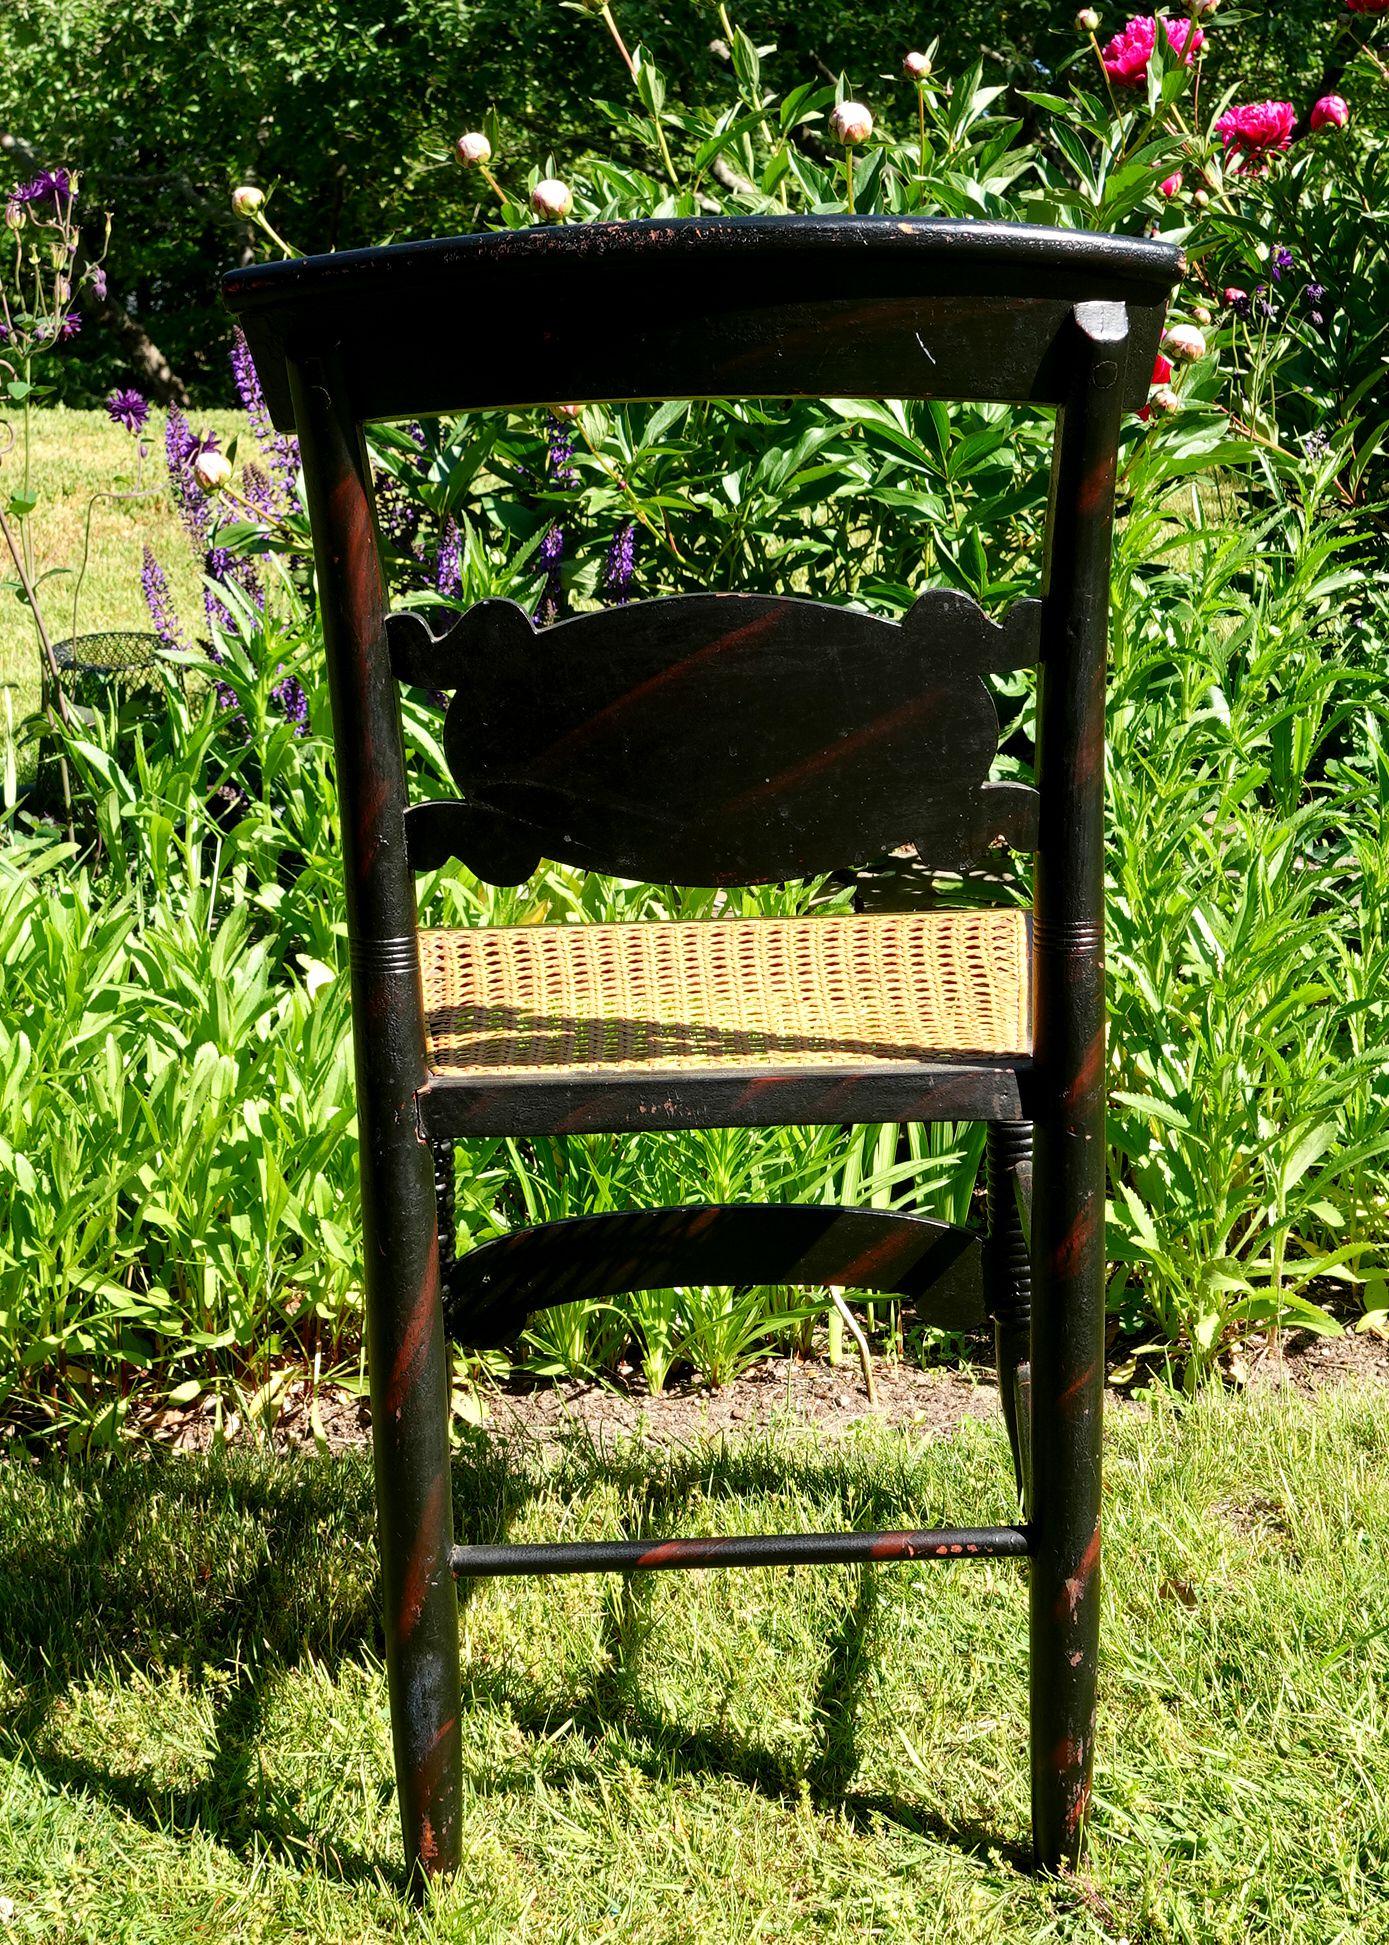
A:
211, 470
916, 67
1171, 185
247, 200
1201, 314
1332, 111
566, 411
1235, 296
1202, 198
472, 149
851, 123
1205, 8
1087, 21
552, 199
1185, 343
1165, 401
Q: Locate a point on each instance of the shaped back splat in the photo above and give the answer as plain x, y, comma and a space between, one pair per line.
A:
717, 738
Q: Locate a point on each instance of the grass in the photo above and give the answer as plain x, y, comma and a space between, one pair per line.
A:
75, 454
195, 1739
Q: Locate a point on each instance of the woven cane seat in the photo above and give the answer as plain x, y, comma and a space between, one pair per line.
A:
813, 992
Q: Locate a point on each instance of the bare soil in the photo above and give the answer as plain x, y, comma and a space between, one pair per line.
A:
790, 1394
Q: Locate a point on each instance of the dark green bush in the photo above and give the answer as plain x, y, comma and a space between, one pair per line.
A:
166, 104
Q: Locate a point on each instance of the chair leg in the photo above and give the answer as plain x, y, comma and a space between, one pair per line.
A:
410, 1441
1064, 1518
1008, 1286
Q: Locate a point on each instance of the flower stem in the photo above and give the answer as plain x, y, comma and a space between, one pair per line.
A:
849, 172
287, 249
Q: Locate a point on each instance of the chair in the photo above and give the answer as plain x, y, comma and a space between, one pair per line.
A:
722, 739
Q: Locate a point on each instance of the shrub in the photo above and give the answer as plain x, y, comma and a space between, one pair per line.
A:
1247, 862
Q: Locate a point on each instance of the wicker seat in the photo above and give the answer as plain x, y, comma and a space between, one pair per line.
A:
812, 992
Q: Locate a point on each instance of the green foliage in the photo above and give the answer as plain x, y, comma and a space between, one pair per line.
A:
1248, 861
166, 104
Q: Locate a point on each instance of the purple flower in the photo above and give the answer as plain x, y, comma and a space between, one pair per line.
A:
448, 568
46, 187
559, 456
155, 587
551, 556
1316, 444
96, 277
617, 569
1282, 260
281, 454
1314, 297
293, 702
128, 408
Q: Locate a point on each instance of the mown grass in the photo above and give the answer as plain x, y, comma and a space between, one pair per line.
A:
74, 455
195, 1737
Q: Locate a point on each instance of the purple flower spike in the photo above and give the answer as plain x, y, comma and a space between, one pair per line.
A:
551, 555
1282, 260
281, 454
159, 601
448, 570
129, 409
617, 569
559, 458
293, 702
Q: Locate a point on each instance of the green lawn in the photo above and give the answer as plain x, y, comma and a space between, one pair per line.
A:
75, 455
195, 1740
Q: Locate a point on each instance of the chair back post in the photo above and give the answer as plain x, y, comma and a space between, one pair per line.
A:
1069, 1111
405, 1331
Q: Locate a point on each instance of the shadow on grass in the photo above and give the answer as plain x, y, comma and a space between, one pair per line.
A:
236, 1569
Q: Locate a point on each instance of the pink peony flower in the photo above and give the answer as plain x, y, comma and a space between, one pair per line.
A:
1172, 186
1128, 56
1253, 133
851, 123
1332, 111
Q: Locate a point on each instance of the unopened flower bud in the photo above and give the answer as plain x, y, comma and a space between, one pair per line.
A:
212, 470
552, 199
916, 67
1171, 185
566, 411
247, 199
1332, 111
595, 6
1185, 343
1201, 314
1165, 401
851, 123
1202, 198
1234, 295
1205, 8
1087, 21
14, 216
472, 149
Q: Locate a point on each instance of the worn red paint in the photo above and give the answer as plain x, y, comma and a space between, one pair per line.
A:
414, 1340
422, 1563
1074, 1589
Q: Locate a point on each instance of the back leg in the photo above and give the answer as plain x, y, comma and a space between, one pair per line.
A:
1008, 1285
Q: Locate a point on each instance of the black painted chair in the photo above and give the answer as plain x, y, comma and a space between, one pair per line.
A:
718, 739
